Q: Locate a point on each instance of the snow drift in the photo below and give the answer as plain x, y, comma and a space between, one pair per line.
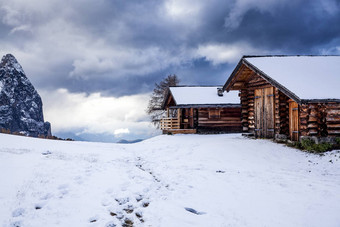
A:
181, 180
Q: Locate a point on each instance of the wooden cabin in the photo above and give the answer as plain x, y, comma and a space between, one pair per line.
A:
288, 96
193, 109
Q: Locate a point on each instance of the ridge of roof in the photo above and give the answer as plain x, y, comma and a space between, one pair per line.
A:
284, 55
197, 86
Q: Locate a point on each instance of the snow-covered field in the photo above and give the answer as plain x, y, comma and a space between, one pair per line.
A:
182, 180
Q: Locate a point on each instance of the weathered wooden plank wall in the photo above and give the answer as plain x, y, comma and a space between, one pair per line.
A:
248, 102
228, 117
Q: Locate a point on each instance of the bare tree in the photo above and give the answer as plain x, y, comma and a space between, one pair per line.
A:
155, 103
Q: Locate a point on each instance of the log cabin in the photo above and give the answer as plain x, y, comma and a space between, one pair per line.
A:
198, 109
288, 96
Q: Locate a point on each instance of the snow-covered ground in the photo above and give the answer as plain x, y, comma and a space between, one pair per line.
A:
181, 180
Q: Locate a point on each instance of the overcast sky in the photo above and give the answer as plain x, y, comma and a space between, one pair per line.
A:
95, 62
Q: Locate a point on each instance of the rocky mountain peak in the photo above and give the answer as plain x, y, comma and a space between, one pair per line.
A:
20, 104
9, 62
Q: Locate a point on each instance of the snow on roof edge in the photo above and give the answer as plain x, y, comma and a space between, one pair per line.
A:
201, 95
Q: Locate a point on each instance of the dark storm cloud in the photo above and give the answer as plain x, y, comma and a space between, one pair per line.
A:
290, 30
124, 47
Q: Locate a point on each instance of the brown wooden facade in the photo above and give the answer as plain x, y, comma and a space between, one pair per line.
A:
205, 118
268, 109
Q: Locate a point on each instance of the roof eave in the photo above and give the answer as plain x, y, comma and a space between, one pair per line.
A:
306, 101
167, 95
227, 83
206, 105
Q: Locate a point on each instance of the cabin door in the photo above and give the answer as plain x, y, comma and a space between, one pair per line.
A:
294, 121
264, 112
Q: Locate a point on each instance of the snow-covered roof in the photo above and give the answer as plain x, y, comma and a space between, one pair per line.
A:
308, 77
203, 96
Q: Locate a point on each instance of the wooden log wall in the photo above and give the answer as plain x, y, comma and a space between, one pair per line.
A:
244, 109
304, 116
332, 119
251, 112
313, 120
322, 123
284, 114
281, 113
229, 118
316, 119
277, 122
320, 119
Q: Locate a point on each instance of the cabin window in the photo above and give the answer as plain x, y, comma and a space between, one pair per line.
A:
214, 113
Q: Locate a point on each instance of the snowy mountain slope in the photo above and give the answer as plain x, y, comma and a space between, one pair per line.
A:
182, 180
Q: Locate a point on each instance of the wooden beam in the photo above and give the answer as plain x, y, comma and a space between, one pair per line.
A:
179, 116
191, 118
236, 77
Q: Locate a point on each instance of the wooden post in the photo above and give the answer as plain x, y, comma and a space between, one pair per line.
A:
191, 118
277, 111
179, 117
244, 111
250, 115
294, 121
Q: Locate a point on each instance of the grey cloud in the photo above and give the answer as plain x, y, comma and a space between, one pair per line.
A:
123, 47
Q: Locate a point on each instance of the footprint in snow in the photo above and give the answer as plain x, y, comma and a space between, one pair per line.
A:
128, 209
110, 224
39, 206
16, 224
63, 189
18, 212
46, 152
78, 179
220, 171
122, 201
127, 223
106, 202
191, 210
93, 219
63, 186
139, 198
139, 216
47, 196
